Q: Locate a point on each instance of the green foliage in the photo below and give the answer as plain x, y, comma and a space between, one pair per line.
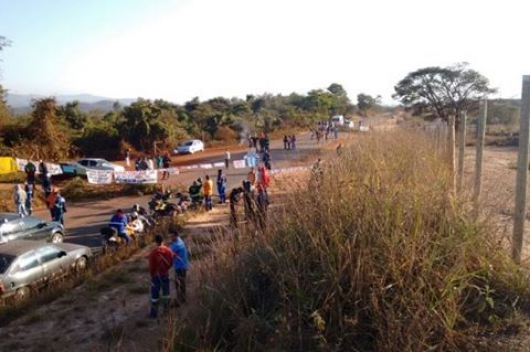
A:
434, 92
366, 102
146, 122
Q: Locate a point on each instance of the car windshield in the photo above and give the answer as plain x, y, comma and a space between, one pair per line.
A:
5, 262
187, 144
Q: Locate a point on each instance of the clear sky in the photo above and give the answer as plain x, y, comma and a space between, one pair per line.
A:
178, 49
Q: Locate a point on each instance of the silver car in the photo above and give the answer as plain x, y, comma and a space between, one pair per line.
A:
26, 266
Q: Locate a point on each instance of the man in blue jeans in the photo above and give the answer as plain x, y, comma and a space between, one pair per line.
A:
160, 261
180, 264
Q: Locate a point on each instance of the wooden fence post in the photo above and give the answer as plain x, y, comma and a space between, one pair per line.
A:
481, 136
461, 149
522, 173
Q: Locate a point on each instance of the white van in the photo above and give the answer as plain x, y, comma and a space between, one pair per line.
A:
337, 120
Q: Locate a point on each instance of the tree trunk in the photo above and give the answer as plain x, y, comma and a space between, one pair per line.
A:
451, 151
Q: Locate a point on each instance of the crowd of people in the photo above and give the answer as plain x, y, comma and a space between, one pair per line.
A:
159, 162
289, 142
323, 130
24, 195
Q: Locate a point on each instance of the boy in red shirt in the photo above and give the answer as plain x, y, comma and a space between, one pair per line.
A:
160, 261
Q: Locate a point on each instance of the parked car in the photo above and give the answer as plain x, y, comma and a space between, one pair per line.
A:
14, 227
189, 147
80, 167
26, 266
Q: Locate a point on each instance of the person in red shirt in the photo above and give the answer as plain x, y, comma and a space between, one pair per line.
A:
160, 262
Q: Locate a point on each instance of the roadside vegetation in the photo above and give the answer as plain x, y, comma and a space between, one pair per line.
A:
373, 255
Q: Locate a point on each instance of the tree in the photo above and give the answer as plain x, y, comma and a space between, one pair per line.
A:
44, 133
433, 92
73, 116
366, 102
4, 112
445, 93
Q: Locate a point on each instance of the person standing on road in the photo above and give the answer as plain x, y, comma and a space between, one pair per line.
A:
293, 141
59, 208
28, 188
180, 264
160, 261
227, 159
285, 142
30, 170
50, 201
128, 157
207, 190
221, 186
19, 197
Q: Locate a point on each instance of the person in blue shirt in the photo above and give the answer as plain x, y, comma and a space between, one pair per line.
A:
119, 222
180, 264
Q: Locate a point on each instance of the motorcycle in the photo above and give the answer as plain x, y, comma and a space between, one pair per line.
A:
111, 242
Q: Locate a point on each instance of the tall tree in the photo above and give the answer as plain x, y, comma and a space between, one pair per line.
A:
445, 93
366, 102
44, 131
433, 92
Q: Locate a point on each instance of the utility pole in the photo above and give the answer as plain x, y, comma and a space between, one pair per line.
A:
522, 173
451, 151
481, 136
461, 148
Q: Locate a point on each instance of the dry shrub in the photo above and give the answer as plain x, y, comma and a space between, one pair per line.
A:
226, 134
374, 256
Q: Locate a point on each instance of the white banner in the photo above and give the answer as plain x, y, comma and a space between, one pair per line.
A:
54, 169
219, 164
206, 166
147, 176
21, 164
289, 169
239, 164
100, 177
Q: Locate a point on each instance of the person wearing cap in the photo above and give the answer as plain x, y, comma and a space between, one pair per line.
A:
160, 261
119, 222
180, 264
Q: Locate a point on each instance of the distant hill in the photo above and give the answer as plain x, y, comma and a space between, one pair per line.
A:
21, 103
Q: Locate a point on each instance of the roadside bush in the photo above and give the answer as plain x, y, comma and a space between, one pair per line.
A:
13, 177
226, 134
375, 255
78, 189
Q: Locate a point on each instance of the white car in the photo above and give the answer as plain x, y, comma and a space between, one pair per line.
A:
96, 164
189, 147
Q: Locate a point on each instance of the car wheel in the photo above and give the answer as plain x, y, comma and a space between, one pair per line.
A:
57, 238
81, 264
22, 294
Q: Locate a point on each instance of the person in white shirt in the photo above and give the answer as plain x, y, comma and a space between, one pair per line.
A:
227, 159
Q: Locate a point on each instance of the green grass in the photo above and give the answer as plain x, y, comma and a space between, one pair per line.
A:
378, 257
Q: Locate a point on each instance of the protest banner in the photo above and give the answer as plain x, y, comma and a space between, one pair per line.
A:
239, 164
21, 164
99, 177
146, 176
54, 169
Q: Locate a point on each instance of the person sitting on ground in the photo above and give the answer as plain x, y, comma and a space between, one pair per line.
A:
195, 192
119, 222
135, 224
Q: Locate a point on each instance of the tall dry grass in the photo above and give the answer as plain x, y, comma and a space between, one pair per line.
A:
374, 255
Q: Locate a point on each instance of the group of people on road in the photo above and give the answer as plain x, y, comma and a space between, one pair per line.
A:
255, 198
323, 130
260, 143
289, 142
23, 195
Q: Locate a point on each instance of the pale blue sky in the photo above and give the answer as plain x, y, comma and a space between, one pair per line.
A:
176, 49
